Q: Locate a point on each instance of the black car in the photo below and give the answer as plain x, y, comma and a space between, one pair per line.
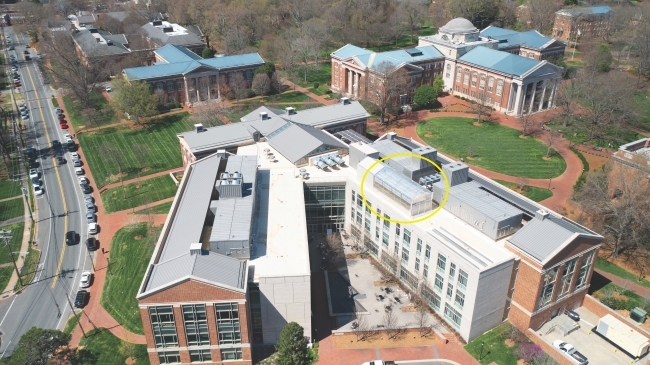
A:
11, 48
86, 189
61, 116
60, 160
56, 144
26, 52
91, 243
71, 238
81, 299
36, 181
573, 315
72, 147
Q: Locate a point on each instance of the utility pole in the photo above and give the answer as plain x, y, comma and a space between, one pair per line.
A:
29, 209
75, 314
7, 236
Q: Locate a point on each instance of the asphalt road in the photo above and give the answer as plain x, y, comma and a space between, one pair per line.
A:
60, 209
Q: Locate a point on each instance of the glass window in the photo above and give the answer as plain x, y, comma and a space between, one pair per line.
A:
179, 84
200, 355
425, 271
450, 290
438, 283
398, 228
385, 239
378, 219
499, 87
169, 357
459, 72
417, 264
460, 300
405, 255
163, 326
453, 315
466, 78
427, 253
481, 85
452, 271
386, 222
359, 201
359, 218
474, 76
159, 85
442, 262
462, 279
353, 195
228, 323
490, 83
249, 74
584, 270
396, 248
418, 248
367, 225
231, 354
547, 287
196, 325
368, 205
170, 86
352, 211
406, 238
567, 276
376, 233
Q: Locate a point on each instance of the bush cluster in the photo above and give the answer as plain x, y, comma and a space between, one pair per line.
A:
619, 304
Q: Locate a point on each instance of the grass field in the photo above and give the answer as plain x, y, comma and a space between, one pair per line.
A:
105, 113
158, 139
131, 250
138, 193
11, 209
158, 209
106, 349
322, 90
71, 324
9, 189
5, 275
55, 102
604, 265
494, 348
495, 147
29, 268
321, 73
14, 243
531, 192
613, 135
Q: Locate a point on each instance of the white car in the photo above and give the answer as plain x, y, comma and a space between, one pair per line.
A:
83, 180
67, 136
24, 117
38, 190
74, 155
92, 228
86, 278
33, 173
78, 171
58, 110
108, 89
571, 351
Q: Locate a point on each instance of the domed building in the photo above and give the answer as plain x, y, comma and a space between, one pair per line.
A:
501, 68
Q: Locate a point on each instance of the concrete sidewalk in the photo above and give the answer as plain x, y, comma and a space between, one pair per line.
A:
24, 247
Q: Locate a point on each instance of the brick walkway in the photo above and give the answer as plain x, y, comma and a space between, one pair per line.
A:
562, 186
625, 283
303, 90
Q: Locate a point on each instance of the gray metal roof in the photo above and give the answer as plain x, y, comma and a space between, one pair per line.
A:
158, 36
350, 136
388, 147
232, 216
295, 141
91, 48
483, 201
540, 238
230, 135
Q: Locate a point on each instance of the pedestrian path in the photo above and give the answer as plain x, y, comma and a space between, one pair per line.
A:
303, 90
625, 283
146, 177
24, 247
12, 198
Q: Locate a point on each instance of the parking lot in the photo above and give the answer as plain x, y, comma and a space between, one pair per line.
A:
595, 348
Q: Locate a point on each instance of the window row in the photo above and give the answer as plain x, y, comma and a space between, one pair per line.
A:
481, 84
567, 278
174, 357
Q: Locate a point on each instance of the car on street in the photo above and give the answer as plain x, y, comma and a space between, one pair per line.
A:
11, 48
91, 244
72, 147
26, 52
108, 89
86, 278
89, 198
74, 156
36, 181
83, 180
67, 136
24, 117
27, 46
58, 110
63, 126
78, 171
81, 298
571, 351
92, 228
90, 217
87, 190
71, 238
77, 163
60, 160
33, 173
60, 116
38, 190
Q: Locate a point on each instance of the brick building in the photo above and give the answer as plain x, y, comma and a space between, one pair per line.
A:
160, 33
584, 22
183, 76
504, 69
634, 154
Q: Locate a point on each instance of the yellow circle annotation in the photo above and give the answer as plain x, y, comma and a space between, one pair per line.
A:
404, 154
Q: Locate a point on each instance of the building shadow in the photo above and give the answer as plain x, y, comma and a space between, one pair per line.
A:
597, 282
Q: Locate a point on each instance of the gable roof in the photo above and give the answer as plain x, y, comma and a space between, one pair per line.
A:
182, 36
295, 141
370, 59
587, 10
89, 45
500, 61
171, 53
509, 38
348, 51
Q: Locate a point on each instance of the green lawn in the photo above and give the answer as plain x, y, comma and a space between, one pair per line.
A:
11, 209
71, 324
9, 189
494, 349
29, 268
55, 102
322, 90
290, 97
14, 243
642, 101
158, 138
404, 41
604, 265
131, 249
321, 73
5, 275
496, 147
106, 349
105, 113
613, 135
138, 193
531, 192
158, 209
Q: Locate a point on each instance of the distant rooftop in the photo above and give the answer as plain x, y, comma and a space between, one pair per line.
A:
163, 32
97, 43
507, 63
372, 59
509, 38
588, 10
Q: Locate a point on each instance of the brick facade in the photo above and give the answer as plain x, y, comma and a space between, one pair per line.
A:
566, 26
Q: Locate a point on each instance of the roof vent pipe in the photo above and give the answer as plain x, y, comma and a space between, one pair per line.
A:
541, 214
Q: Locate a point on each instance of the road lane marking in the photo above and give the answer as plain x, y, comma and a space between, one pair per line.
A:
11, 305
58, 177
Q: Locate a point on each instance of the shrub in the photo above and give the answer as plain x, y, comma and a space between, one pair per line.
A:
249, 93
230, 95
173, 105
316, 85
529, 351
619, 304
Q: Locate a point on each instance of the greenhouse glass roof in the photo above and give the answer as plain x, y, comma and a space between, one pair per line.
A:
406, 189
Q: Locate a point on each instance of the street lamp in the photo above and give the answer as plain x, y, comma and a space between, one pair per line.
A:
481, 357
549, 183
641, 273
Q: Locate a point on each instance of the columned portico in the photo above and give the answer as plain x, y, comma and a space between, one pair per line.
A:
349, 81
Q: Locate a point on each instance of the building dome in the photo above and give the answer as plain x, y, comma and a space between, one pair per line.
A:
458, 25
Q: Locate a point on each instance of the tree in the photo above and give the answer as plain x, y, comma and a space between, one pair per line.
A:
39, 346
600, 58
438, 85
208, 113
389, 83
480, 12
208, 52
267, 68
135, 98
617, 200
238, 85
422, 318
565, 102
361, 328
541, 14
471, 150
522, 182
292, 346
551, 138
261, 84
391, 325
529, 352
481, 105
527, 121
425, 95
413, 14
118, 158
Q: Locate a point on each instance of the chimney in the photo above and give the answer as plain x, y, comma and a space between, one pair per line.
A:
98, 40
541, 214
195, 248
264, 115
345, 101
290, 110
199, 128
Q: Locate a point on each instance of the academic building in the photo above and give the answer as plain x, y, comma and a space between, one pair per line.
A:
232, 265
584, 22
501, 68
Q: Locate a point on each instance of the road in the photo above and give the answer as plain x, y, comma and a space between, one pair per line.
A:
60, 209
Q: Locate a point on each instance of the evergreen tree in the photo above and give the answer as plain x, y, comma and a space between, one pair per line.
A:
38, 345
207, 53
425, 95
292, 347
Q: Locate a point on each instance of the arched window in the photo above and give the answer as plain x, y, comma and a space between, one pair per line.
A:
499, 87
179, 83
458, 73
466, 78
481, 85
490, 83
474, 77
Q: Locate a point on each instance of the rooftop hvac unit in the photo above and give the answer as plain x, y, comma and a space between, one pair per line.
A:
329, 162
236, 175
224, 182
157, 22
290, 110
198, 127
236, 182
338, 160
264, 115
345, 101
225, 175
320, 164
422, 181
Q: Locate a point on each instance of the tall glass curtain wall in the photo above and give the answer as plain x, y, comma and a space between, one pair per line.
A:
325, 208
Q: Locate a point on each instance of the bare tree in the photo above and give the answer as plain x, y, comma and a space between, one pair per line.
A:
238, 85
118, 158
361, 327
551, 138
261, 84
522, 182
618, 202
542, 14
471, 150
422, 317
386, 86
481, 105
391, 325
208, 113
527, 121
413, 15
90, 115
566, 99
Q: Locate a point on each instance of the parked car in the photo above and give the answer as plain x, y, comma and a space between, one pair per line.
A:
78, 171
27, 46
72, 147
89, 198
24, 117
573, 315
92, 228
63, 126
108, 89
76, 163
74, 156
67, 136
71, 238
58, 110
26, 52
11, 48
81, 299
90, 217
36, 181
60, 116
38, 190
83, 180
86, 278
33, 173
91, 244
571, 351
87, 190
